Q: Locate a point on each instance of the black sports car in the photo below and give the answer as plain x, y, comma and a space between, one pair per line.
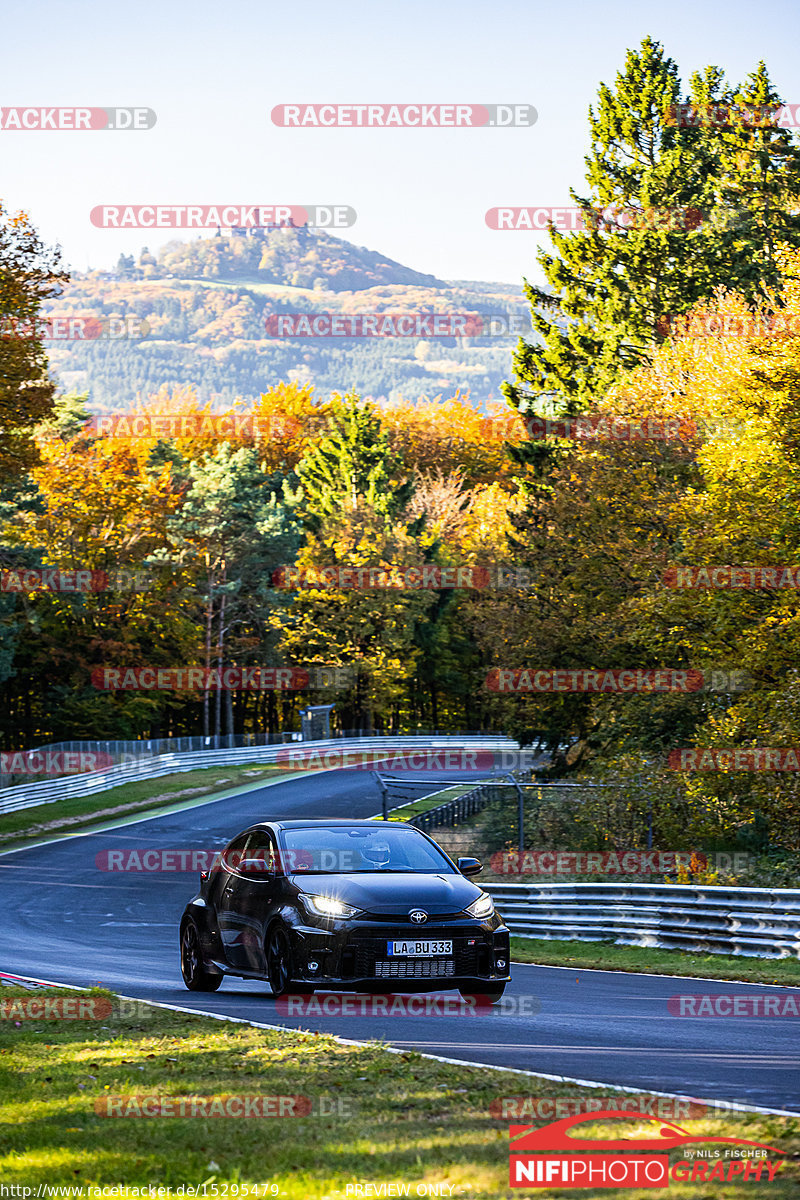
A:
356, 905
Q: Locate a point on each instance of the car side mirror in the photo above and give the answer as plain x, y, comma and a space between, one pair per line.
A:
469, 866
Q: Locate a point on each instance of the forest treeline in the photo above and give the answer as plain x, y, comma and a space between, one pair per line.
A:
673, 454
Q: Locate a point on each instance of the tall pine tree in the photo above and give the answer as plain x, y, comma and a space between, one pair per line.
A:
351, 466
757, 177
668, 179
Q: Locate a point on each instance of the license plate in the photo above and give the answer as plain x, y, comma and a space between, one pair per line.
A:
418, 949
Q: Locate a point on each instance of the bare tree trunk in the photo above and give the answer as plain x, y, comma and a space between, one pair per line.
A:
209, 616
229, 710
220, 664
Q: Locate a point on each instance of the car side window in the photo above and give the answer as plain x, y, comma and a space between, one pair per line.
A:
258, 859
233, 853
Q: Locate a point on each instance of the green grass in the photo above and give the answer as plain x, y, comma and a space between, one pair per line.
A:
415, 807
70, 815
258, 286
390, 1118
606, 956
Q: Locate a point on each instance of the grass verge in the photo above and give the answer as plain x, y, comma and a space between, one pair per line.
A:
406, 811
72, 814
606, 956
386, 1118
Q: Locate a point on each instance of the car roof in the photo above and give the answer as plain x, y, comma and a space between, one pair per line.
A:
330, 823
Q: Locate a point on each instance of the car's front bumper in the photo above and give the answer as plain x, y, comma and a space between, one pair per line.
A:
355, 955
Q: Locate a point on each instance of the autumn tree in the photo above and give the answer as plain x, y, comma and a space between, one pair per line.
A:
94, 506
354, 493
234, 528
30, 273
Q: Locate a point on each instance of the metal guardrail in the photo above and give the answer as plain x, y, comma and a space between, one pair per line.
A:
125, 751
404, 790
757, 922
454, 811
89, 784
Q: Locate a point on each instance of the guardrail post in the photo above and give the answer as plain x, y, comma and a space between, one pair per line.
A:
384, 792
520, 810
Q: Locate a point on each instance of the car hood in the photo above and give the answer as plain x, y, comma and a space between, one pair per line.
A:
387, 893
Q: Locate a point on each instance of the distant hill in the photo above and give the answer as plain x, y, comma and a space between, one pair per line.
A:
205, 303
304, 258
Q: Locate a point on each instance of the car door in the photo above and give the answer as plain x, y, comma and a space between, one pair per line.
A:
227, 901
257, 895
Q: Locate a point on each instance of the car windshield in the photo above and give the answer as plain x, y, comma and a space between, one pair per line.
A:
343, 850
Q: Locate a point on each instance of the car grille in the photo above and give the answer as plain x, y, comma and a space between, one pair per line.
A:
366, 959
396, 918
415, 968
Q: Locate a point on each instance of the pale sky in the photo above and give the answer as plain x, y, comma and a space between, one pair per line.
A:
213, 73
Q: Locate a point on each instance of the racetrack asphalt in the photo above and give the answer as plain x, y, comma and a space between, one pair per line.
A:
68, 921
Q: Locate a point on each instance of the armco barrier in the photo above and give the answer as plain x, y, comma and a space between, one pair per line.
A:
758, 922
459, 809
46, 792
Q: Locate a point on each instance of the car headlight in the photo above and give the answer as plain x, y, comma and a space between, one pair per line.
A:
327, 906
482, 907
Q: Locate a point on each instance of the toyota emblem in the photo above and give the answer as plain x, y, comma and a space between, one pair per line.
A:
418, 916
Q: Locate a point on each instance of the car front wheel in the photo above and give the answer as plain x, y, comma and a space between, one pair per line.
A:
279, 966
193, 968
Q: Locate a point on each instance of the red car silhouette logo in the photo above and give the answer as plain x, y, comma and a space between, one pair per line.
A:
555, 1136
